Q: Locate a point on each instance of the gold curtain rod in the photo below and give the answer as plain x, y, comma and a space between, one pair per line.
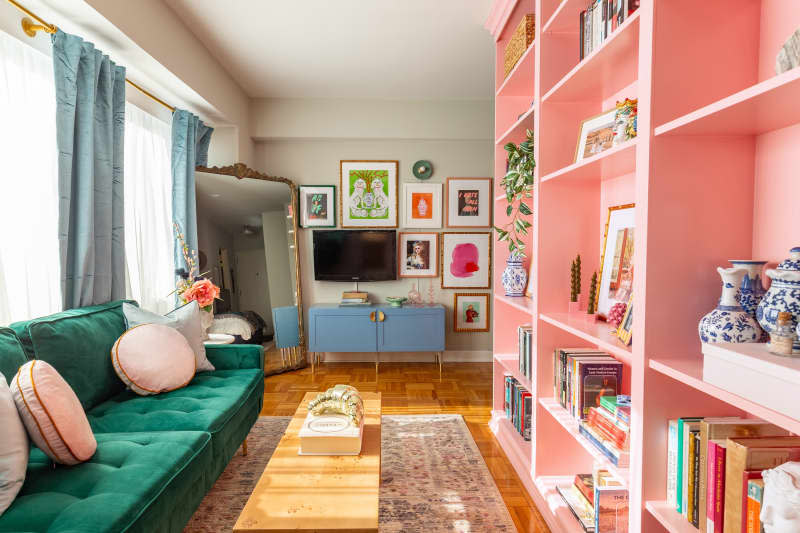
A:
30, 29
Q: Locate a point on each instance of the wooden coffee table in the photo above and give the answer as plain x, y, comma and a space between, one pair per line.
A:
318, 493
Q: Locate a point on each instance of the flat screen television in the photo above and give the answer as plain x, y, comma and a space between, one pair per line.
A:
355, 255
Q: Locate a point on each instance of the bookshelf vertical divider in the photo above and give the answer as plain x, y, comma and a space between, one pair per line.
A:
711, 174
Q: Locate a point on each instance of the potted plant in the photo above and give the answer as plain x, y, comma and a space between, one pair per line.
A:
518, 186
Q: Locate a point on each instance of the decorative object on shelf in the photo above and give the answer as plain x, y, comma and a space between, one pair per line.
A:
430, 294
780, 511
625, 121
192, 286
340, 399
575, 284
522, 38
752, 291
617, 313
592, 304
396, 301
466, 260
422, 169
596, 135
318, 206
625, 328
518, 185
418, 255
470, 312
728, 322
368, 194
783, 295
469, 202
789, 54
782, 339
515, 277
414, 297
616, 263
423, 205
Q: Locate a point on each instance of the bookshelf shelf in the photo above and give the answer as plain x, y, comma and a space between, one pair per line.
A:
605, 71
517, 449
510, 362
668, 517
520, 303
571, 426
521, 76
560, 517
518, 128
598, 333
612, 163
565, 17
767, 106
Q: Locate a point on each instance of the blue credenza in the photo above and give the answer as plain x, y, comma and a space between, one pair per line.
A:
375, 328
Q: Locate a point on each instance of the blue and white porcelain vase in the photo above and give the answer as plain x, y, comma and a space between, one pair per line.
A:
515, 277
783, 295
729, 322
751, 292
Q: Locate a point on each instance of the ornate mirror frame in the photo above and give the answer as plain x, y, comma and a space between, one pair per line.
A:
241, 171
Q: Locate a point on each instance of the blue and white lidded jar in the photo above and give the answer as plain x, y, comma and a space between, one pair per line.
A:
515, 277
783, 295
729, 322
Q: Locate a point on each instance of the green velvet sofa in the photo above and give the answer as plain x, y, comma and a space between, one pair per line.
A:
157, 456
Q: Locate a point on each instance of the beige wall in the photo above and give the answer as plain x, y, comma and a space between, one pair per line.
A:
316, 162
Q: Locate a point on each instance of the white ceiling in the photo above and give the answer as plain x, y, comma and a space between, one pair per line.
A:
359, 49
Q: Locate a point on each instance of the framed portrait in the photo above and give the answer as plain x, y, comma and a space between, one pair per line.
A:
470, 312
318, 206
418, 255
625, 328
422, 205
466, 260
368, 194
616, 263
596, 135
469, 202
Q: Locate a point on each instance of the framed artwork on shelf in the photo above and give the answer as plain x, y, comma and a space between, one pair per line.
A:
422, 205
616, 263
469, 202
470, 312
625, 328
318, 206
418, 255
596, 135
368, 194
466, 260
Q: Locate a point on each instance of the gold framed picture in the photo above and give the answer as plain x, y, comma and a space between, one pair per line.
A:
471, 313
466, 260
368, 193
418, 255
616, 262
596, 135
625, 328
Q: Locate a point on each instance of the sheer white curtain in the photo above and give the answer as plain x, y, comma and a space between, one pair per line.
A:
148, 210
29, 262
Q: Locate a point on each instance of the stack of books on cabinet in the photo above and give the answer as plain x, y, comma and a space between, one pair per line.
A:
598, 501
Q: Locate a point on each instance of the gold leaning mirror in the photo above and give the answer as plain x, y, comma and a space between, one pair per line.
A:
247, 240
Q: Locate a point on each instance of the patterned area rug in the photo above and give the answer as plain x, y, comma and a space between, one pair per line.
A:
433, 478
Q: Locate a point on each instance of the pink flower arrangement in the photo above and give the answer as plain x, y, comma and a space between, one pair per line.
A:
192, 286
203, 291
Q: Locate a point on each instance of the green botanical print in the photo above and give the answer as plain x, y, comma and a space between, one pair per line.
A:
368, 194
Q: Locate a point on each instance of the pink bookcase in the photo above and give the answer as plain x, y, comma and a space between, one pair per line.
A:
713, 174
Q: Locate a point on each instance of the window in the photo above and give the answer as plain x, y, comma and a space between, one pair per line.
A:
148, 210
30, 284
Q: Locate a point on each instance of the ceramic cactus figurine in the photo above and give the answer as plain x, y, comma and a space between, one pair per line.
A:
575, 279
592, 294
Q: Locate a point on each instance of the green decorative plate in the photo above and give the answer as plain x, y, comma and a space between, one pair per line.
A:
422, 169
396, 301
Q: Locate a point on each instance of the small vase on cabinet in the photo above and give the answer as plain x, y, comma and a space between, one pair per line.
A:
515, 277
751, 292
729, 322
783, 295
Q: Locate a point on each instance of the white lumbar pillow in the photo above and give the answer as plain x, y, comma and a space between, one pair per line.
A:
153, 358
13, 448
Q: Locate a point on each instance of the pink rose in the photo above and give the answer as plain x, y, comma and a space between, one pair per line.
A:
204, 291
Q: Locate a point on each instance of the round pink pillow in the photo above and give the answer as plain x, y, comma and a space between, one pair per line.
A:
153, 358
52, 413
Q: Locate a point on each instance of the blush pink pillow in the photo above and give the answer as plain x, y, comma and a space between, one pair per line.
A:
52, 413
153, 358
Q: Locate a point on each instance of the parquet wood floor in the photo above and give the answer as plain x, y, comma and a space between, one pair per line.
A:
415, 388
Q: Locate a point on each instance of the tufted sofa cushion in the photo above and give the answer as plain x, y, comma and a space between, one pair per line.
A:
134, 480
12, 355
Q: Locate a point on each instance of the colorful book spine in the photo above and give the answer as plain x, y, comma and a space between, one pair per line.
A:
610, 509
527, 410
747, 477
691, 476
755, 497
594, 380
672, 462
614, 433
695, 518
616, 457
683, 434
715, 487
585, 484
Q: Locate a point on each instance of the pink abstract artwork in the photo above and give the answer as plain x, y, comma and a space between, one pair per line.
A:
464, 261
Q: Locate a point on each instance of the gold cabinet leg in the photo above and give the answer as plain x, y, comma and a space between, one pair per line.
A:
244, 447
377, 362
440, 365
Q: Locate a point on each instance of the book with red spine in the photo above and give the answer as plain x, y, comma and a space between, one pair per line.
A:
585, 484
608, 428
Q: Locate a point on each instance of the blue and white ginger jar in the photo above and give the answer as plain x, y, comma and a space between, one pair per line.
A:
515, 277
729, 322
751, 292
783, 295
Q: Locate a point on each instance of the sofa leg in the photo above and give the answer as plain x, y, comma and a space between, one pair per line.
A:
244, 447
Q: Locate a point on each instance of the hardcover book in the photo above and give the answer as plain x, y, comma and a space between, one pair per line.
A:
684, 426
755, 497
596, 379
329, 435
580, 508
715, 490
560, 356
691, 475
672, 462
610, 510
585, 484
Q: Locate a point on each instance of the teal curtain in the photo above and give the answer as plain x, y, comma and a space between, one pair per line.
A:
90, 125
190, 141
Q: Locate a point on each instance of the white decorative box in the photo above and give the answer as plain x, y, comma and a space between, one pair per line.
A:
330, 435
750, 371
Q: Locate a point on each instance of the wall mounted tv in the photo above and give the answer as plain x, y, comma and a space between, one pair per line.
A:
355, 255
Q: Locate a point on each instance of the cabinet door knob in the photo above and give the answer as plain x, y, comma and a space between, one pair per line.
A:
381, 316
372, 316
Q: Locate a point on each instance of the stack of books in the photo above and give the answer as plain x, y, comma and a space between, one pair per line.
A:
525, 337
714, 469
608, 428
600, 19
518, 406
599, 501
354, 298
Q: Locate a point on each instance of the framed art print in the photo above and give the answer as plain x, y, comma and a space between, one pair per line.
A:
466, 260
469, 202
616, 263
470, 312
418, 255
368, 194
596, 135
422, 205
625, 328
318, 206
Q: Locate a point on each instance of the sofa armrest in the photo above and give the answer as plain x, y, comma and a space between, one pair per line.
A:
235, 356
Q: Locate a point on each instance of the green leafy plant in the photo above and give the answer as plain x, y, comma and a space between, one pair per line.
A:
518, 184
592, 294
575, 279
